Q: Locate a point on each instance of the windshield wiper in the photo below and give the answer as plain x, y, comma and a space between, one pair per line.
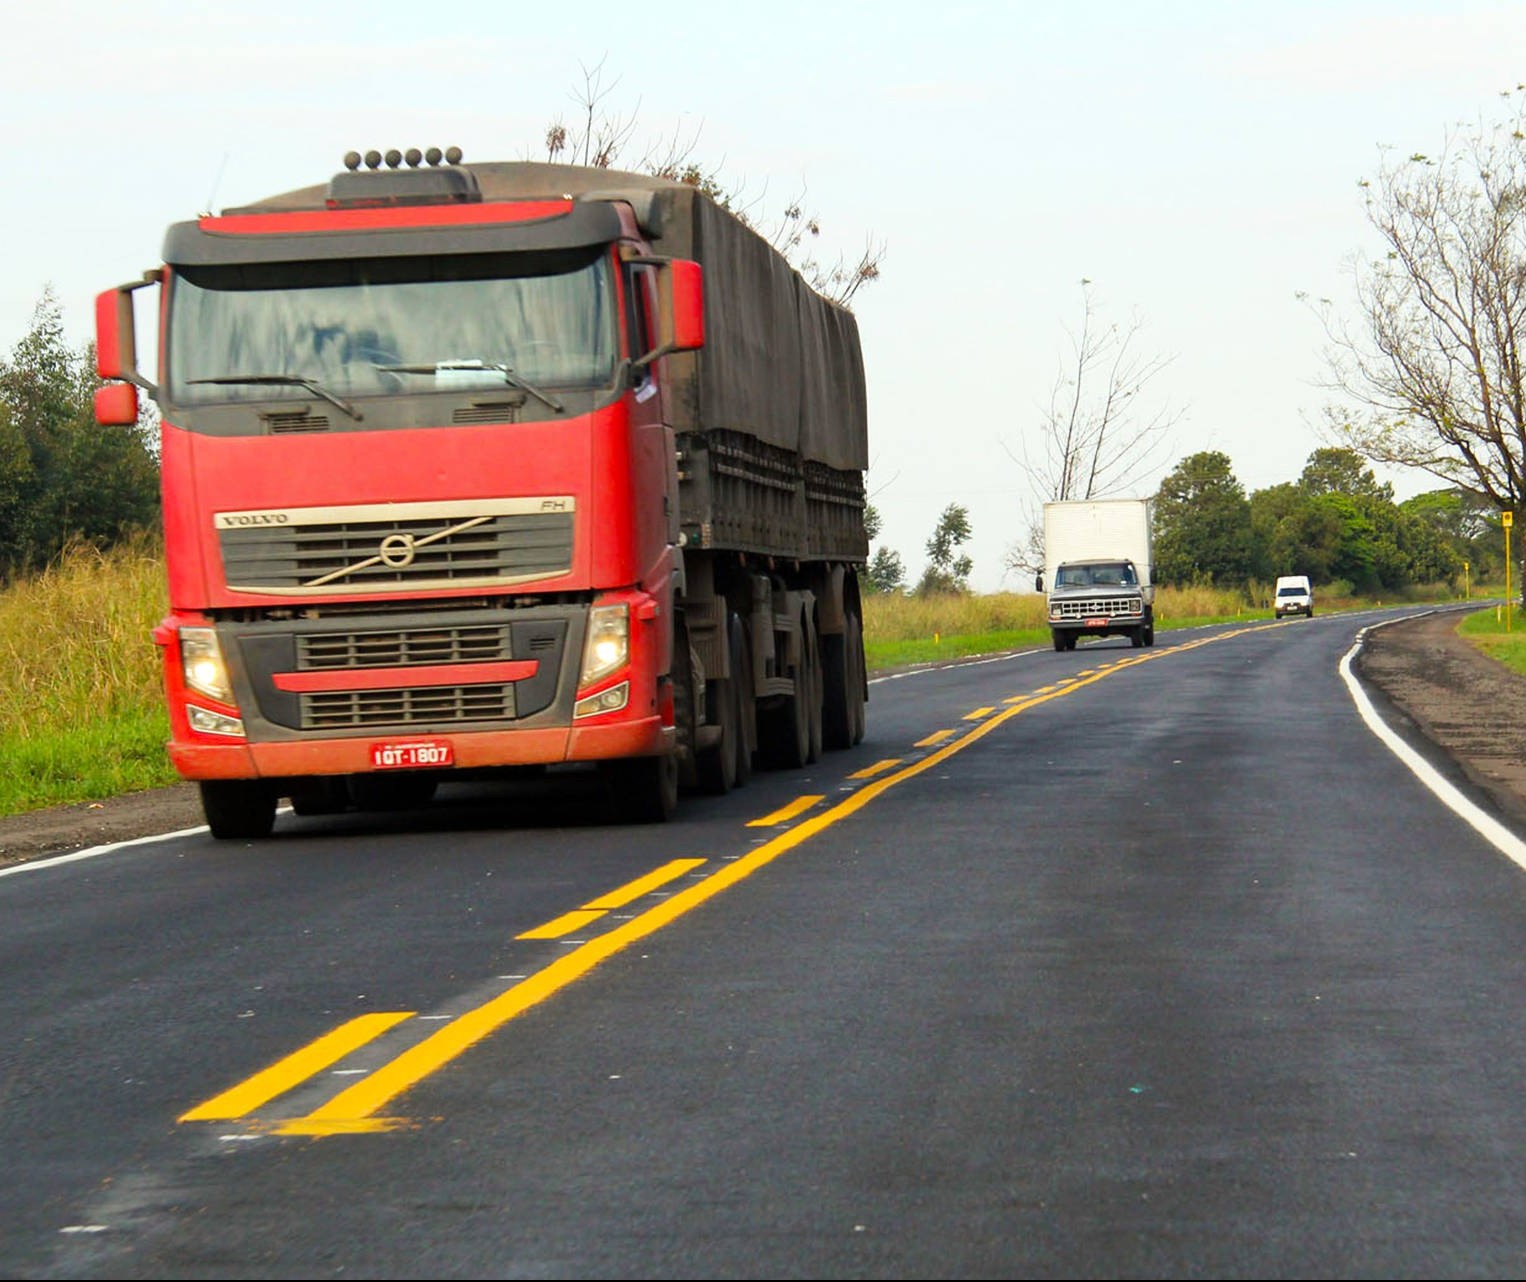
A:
505, 371
286, 380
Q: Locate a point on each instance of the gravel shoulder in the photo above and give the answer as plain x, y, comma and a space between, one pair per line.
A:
1470, 707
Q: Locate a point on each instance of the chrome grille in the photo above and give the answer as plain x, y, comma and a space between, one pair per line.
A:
411, 545
1094, 607
336, 710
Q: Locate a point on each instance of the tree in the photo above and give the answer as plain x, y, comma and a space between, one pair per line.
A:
1466, 525
1202, 524
1433, 362
600, 137
1333, 470
63, 476
947, 571
885, 573
1097, 438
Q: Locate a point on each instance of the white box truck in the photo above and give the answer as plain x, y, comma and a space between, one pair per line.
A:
1099, 568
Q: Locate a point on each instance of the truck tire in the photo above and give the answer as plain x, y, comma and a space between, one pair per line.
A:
1137, 637
842, 671
715, 767
741, 689
815, 696
787, 734
1059, 640
642, 790
238, 809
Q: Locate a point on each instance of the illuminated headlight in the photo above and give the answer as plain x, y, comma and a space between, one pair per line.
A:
207, 722
609, 642
611, 700
201, 663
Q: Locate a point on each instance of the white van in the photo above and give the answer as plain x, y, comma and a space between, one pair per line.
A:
1294, 596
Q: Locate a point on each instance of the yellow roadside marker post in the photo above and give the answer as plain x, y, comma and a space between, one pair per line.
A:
1505, 519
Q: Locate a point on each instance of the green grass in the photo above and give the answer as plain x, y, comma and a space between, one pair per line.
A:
82, 712
1499, 633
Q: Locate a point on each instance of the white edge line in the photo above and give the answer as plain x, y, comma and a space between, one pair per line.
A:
53, 861
1503, 840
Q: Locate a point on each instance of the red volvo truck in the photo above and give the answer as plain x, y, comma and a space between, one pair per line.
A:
468, 468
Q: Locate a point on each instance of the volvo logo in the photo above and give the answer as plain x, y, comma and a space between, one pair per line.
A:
397, 550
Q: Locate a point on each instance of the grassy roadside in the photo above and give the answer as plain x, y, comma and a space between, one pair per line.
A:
1500, 635
82, 716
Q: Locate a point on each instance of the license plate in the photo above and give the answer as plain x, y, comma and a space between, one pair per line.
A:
412, 755
1096, 623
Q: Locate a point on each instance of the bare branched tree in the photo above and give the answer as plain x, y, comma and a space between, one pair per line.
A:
1098, 436
1434, 361
600, 137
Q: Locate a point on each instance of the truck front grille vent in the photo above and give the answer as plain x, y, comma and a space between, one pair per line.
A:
442, 705
1096, 607
297, 422
371, 555
486, 644
497, 412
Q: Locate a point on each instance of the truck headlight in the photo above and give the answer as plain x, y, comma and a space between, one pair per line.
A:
202, 666
608, 645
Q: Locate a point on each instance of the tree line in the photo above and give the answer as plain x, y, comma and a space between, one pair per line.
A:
63, 477
1336, 523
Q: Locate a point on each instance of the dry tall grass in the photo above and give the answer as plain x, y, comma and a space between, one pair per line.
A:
81, 710
895, 617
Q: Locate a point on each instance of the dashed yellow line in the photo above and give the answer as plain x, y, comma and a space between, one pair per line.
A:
785, 813
253, 1092
878, 768
596, 908
356, 1109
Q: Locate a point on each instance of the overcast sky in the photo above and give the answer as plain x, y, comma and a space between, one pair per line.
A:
1196, 162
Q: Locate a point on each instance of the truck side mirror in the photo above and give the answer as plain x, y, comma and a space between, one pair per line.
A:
680, 308
116, 348
1038, 583
688, 303
116, 405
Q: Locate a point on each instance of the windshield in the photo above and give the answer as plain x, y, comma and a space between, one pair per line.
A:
1082, 576
444, 323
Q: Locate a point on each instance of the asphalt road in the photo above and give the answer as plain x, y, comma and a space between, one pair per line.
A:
1111, 963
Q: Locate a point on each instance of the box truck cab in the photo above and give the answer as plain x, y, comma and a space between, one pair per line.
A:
1293, 596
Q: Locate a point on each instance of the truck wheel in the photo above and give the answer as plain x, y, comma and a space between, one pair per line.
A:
858, 679
643, 790
1149, 634
1059, 641
787, 733
813, 695
1136, 637
238, 809
715, 767
741, 690
842, 673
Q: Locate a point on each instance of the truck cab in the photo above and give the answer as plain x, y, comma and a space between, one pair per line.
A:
1099, 598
